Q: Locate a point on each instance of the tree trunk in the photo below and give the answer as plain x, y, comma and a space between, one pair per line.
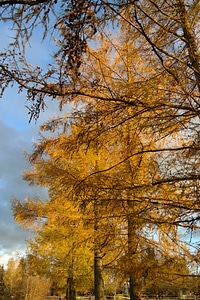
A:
98, 266
70, 291
132, 291
98, 276
132, 248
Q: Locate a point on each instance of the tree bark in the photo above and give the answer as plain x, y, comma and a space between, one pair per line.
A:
70, 291
98, 266
132, 248
98, 276
132, 291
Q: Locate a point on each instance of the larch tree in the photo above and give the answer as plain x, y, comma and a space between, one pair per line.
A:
119, 202
142, 107
70, 171
165, 33
61, 249
22, 283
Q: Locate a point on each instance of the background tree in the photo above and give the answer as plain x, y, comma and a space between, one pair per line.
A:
22, 283
4, 291
61, 248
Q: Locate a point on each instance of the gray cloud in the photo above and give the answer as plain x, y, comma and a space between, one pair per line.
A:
12, 161
16, 135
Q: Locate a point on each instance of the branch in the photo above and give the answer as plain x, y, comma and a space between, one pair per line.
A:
23, 2
176, 179
136, 154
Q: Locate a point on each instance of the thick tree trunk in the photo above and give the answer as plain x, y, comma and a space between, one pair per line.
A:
70, 291
133, 294
98, 276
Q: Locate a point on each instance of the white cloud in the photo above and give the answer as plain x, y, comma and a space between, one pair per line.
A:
4, 259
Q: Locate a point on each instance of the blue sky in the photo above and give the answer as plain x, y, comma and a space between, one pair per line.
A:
17, 135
